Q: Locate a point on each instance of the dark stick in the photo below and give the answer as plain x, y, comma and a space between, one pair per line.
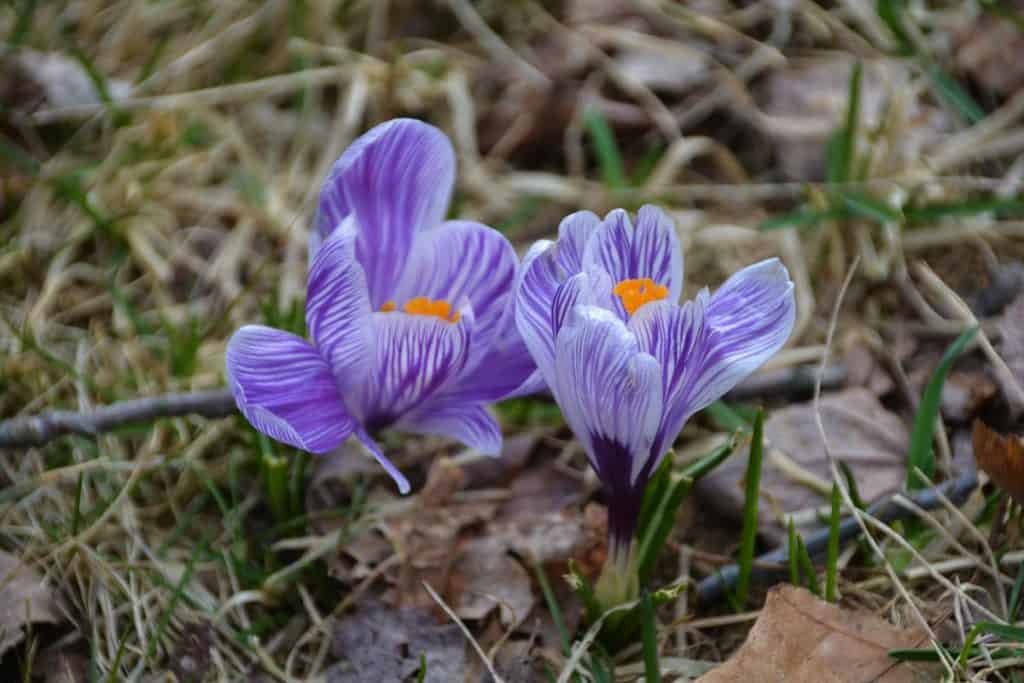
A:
36, 430
773, 567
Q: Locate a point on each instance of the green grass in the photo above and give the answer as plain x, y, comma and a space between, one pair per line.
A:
751, 501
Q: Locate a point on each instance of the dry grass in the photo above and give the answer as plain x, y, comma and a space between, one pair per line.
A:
147, 230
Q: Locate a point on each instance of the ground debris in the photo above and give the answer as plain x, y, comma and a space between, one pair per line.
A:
796, 479
379, 643
801, 639
25, 599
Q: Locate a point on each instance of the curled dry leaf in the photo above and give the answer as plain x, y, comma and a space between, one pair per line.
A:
492, 579
990, 51
24, 599
379, 643
1001, 458
796, 479
801, 639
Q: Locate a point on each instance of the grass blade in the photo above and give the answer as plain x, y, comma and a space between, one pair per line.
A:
921, 456
652, 669
967, 207
750, 503
794, 559
870, 208
663, 516
807, 566
832, 560
606, 149
954, 95
843, 144
802, 218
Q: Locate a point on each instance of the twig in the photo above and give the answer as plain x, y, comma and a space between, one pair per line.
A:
796, 380
36, 430
773, 566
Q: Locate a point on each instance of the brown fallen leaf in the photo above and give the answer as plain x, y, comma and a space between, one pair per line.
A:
492, 579
990, 51
24, 599
801, 639
378, 643
1001, 458
795, 477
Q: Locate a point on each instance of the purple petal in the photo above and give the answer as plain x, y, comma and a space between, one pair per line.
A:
573, 234
676, 336
650, 250
504, 371
285, 389
338, 310
470, 424
415, 357
540, 278
396, 180
610, 394
389, 467
711, 345
463, 260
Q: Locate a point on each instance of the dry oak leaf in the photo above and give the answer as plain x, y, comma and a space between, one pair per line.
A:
1001, 458
24, 599
801, 639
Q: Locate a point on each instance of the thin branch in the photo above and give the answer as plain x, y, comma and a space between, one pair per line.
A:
37, 430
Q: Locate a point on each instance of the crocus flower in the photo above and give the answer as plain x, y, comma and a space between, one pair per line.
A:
410, 316
627, 363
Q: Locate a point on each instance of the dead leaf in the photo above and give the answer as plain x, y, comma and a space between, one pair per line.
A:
990, 51
801, 639
379, 643
1011, 342
36, 80
491, 579
795, 477
192, 658
24, 599
964, 394
1001, 458
804, 104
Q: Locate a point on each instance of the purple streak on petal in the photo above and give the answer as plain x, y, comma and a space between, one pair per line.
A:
463, 260
415, 357
608, 390
539, 280
471, 424
573, 234
285, 389
389, 467
675, 336
717, 341
338, 310
624, 497
506, 371
650, 250
750, 319
396, 180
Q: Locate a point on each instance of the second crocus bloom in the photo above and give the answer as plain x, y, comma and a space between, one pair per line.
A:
627, 363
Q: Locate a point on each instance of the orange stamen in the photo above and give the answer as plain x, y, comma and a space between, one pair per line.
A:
636, 293
421, 305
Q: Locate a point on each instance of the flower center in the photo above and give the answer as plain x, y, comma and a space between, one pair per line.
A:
421, 305
636, 293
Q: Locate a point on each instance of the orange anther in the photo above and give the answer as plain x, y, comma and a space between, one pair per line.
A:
421, 305
636, 293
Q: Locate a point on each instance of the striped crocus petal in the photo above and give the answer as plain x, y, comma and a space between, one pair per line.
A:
648, 251
285, 389
338, 309
463, 260
378, 455
710, 345
468, 423
610, 394
573, 234
395, 180
415, 358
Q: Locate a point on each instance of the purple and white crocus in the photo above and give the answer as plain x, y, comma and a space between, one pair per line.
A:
627, 363
410, 316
